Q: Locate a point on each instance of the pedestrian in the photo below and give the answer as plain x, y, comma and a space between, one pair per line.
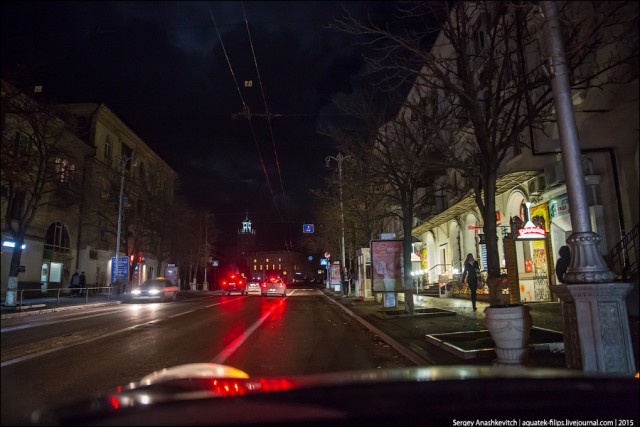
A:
74, 284
345, 279
83, 283
470, 277
563, 262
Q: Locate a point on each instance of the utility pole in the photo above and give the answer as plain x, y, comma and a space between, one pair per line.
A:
123, 163
205, 285
339, 159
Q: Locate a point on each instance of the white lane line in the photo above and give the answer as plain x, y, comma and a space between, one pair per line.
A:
53, 350
231, 348
74, 317
50, 322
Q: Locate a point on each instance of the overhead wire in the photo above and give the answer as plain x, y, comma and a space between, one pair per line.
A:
264, 99
245, 108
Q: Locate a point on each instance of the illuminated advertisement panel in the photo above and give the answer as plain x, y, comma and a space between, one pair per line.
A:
386, 265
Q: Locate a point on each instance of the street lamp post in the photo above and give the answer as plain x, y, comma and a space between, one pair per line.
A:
123, 163
339, 159
593, 304
205, 284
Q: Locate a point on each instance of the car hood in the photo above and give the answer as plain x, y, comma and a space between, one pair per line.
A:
213, 394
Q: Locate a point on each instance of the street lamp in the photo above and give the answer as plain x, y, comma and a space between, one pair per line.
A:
123, 163
205, 284
591, 299
339, 159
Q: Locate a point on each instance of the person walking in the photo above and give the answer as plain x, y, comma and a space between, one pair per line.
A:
563, 262
346, 281
74, 284
83, 283
470, 277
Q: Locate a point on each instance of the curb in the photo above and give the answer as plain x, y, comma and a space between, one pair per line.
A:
56, 309
409, 354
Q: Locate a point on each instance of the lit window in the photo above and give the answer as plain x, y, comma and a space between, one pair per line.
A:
65, 170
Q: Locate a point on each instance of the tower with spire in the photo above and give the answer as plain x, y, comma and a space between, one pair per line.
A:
246, 237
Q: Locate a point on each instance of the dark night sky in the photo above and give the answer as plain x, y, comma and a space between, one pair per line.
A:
161, 68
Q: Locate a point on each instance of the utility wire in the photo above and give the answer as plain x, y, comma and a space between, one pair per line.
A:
244, 108
264, 98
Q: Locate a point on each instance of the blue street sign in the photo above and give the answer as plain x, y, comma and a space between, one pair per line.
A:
323, 261
307, 228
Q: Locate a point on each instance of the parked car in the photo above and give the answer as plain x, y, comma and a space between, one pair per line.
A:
155, 289
234, 283
274, 286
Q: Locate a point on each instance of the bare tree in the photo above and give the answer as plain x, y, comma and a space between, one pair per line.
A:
394, 163
487, 69
39, 154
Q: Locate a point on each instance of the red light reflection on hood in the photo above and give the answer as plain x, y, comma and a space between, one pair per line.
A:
227, 387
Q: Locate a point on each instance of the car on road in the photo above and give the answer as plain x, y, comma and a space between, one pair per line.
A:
155, 289
273, 286
254, 286
234, 283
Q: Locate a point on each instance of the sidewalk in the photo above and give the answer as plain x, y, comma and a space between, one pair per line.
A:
33, 306
446, 331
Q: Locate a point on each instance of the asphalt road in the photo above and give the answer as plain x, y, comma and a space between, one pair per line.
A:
57, 358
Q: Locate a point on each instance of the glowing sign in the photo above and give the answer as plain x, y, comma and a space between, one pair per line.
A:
531, 232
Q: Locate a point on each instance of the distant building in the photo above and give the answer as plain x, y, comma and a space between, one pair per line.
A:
260, 264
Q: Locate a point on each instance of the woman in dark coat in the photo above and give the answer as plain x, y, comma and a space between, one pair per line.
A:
470, 276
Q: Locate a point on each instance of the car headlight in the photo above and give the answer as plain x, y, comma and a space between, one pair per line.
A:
154, 291
136, 292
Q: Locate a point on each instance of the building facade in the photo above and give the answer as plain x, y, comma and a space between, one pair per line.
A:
116, 179
531, 188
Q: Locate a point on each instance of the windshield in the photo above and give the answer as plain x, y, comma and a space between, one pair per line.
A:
326, 212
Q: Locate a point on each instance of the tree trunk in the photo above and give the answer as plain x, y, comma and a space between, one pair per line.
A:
11, 297
490, 232
407, 281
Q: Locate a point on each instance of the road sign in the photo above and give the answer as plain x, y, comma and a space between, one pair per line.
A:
307, 228
215, 262
123, 269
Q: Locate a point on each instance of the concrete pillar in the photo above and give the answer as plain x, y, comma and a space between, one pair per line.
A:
597, 337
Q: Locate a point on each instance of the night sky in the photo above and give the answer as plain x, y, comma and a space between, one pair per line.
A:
161, 68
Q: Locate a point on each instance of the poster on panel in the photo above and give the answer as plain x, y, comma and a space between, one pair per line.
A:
386, 265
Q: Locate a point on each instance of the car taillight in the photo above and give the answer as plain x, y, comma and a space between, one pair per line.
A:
224, 282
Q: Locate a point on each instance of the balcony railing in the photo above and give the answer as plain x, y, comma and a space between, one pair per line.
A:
624, 255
